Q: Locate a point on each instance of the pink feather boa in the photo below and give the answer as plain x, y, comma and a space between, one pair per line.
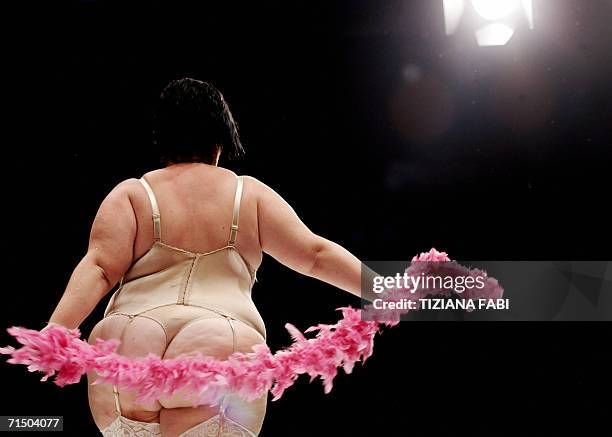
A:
204, 379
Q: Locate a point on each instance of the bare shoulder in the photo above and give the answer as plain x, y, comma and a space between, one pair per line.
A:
256, 185
126, 187
260, 191
126, 190
267, 198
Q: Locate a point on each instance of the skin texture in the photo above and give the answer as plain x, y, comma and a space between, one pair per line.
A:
193, 197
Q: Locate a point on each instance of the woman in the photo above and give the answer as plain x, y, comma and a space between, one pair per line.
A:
184, 243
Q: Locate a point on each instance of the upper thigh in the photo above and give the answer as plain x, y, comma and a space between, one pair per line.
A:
211, 337
139, 336
174, 421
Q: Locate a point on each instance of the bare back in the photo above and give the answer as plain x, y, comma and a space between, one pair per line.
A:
196, 204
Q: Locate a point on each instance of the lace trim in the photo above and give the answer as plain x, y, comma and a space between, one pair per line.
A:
218, 426
124, 427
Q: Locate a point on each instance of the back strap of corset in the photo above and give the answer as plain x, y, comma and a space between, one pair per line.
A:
236, 212
157, 216
154, 208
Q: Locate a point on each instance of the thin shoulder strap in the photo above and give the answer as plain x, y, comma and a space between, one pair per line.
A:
236, 212
154, 208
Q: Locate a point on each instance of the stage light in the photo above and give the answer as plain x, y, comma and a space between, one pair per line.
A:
496, 34
494, 9
495, 20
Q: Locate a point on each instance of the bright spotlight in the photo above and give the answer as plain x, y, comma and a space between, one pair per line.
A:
495, 9
496, 34
496, 20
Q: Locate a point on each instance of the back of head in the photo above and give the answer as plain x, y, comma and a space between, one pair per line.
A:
193, 123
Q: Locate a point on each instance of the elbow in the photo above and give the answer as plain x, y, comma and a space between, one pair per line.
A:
317, 255
108, 282
106, 277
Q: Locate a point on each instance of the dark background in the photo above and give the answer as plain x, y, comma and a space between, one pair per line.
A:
386, 136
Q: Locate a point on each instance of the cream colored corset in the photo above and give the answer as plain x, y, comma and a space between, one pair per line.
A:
220, 280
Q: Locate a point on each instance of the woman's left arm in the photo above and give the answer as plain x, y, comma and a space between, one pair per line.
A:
109, 255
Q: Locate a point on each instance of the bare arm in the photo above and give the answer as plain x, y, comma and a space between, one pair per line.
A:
108, 256
288, 240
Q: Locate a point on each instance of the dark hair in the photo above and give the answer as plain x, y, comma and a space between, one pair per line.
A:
192, 121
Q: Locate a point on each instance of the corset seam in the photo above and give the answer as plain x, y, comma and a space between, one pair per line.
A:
188, 280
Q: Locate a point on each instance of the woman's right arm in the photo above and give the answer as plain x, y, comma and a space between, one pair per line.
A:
288, 240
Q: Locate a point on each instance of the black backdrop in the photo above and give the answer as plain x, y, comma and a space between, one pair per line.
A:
344, 109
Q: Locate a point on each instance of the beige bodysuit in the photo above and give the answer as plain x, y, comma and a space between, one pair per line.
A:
176, 287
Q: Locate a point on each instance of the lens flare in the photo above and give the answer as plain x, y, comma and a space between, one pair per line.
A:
453, 11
